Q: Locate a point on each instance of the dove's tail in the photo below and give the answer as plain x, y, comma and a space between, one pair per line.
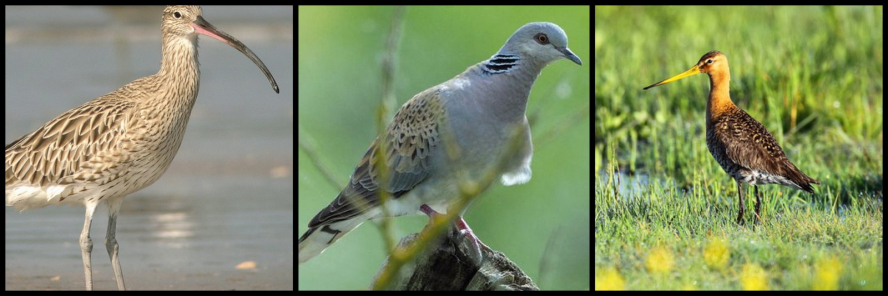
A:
318, 238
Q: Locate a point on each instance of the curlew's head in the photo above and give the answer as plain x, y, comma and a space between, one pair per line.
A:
182, 23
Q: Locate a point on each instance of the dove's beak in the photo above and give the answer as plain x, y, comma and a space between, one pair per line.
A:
570, 55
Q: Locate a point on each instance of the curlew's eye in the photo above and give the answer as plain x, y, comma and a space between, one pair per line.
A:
177, 14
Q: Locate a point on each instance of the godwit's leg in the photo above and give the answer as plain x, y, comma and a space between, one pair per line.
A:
742, 208
111, 241
758, 205
86, 244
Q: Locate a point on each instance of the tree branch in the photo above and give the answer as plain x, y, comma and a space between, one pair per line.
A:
450, 263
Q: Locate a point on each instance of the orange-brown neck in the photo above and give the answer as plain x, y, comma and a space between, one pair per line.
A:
719, 96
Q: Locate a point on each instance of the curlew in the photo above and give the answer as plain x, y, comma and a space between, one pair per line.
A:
740, 144
118, 143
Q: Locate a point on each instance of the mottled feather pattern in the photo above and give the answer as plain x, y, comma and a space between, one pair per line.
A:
452, 131
123, 140
740, 144
746, 150
59, 148
118, 143
413, 132
409, 140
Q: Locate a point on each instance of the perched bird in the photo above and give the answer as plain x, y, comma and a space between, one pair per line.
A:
740, 144
461, 129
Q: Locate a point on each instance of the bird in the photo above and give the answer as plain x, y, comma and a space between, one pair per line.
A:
119, 143
742, 146
458, 130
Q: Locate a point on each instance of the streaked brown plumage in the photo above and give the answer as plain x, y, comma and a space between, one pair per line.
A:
740, 144
118, 143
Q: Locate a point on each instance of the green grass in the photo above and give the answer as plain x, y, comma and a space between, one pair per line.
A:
813, 76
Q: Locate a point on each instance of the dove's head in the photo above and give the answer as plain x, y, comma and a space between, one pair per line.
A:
543, 42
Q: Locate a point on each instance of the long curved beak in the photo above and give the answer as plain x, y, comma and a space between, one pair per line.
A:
201, 26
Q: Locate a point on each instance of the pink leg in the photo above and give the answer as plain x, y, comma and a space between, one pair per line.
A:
464, 229
460, 224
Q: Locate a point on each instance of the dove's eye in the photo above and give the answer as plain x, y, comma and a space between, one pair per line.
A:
541, 38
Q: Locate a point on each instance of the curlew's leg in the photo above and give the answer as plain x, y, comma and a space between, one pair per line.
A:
86, 245
742, 208
758, 205
111, 241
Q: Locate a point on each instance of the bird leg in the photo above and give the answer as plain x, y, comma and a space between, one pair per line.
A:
463, 227
758, 206
742, 209
111, 241
86, 245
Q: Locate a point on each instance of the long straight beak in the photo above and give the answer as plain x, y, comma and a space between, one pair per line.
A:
691, 72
